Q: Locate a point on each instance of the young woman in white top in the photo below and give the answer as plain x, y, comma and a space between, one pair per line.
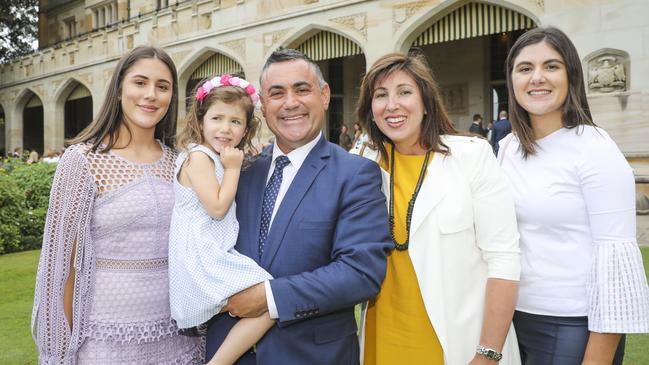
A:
582, 283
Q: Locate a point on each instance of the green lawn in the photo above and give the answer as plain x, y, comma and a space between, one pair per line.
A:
17, 273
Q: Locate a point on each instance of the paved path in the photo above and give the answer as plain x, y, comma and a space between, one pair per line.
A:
642, 229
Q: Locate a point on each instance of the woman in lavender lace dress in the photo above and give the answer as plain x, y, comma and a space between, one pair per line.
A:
102, 291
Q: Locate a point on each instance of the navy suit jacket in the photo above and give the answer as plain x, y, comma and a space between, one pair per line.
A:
326, 250
500, 130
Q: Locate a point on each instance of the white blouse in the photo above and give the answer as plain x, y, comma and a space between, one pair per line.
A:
575, 205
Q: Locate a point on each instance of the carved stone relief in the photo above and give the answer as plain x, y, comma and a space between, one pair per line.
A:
237, 45
357, 22
270, 39
401, 13
607, 71
456, 98
87, 78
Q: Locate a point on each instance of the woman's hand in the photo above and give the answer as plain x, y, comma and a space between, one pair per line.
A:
481, 360
601, 348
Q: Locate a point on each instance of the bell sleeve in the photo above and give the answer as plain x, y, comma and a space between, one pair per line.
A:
617, 289
66, 235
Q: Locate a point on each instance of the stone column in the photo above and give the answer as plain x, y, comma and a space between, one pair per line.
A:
254, 61
14, 125
53, 124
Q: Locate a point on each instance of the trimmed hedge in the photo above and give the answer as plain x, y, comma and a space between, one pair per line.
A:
24, 196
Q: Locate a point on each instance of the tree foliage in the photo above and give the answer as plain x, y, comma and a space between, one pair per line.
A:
18, 28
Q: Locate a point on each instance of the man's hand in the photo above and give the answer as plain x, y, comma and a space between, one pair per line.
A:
250, 302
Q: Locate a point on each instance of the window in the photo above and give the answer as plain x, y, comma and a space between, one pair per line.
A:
70, 27
104, 15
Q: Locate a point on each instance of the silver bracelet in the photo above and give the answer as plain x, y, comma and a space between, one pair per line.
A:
490, 354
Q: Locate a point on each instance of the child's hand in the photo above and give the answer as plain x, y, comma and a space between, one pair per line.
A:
231, 157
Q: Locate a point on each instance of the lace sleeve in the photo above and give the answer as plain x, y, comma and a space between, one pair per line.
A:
617, 288
68, 220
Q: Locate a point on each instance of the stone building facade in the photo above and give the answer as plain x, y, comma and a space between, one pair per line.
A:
53, 93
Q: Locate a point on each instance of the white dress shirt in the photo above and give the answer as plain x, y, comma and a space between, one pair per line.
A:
296, 158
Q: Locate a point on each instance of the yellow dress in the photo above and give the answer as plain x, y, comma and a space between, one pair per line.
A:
398, 330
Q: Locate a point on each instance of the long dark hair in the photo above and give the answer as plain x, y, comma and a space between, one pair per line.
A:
435, 123
575, 108
110, 117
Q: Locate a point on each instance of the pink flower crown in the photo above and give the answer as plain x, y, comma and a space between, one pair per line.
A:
228, 80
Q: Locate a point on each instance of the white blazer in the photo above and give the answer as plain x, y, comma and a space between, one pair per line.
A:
463, 231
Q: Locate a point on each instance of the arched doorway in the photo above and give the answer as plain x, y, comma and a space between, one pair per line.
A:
33, 129
343, 66
466, 47
78, 111
215, 65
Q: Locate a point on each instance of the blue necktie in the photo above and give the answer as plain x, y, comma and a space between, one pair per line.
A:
270, 195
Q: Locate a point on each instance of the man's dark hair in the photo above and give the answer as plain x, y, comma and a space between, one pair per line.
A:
476, 117
290, 54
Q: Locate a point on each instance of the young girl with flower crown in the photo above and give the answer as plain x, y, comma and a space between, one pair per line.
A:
204, 268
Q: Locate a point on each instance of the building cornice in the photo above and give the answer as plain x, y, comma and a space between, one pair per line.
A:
137, 20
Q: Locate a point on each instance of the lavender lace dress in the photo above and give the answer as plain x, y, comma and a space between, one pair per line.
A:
116, 213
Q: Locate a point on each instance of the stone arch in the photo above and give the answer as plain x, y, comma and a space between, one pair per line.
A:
194, 61
76, 114
465, 43
29, 107
63, 91
342, 59
297, 37
413, 27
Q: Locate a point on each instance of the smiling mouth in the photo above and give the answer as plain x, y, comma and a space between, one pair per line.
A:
293, 117
395, 121
148, 108
223, 139
538, 92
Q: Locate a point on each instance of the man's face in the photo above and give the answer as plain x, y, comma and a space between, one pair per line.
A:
293, 103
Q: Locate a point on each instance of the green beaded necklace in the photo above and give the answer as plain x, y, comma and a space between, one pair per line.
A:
411, 204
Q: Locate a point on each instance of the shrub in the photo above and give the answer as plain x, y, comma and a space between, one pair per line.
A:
12, 214
24, 196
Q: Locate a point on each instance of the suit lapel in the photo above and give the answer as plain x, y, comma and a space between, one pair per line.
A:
304, 178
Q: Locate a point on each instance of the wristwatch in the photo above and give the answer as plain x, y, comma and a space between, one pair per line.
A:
490, 354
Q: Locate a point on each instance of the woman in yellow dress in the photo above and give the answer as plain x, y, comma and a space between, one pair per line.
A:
452, 279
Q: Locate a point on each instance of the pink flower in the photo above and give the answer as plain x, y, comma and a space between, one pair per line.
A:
201, 94
250, 90
225, 79
235, 81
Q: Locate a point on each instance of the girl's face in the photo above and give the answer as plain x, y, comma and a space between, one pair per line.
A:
540, 80
398, 110
224, 125
146, 94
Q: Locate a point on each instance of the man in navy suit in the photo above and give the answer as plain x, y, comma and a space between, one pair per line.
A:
327, 238
502, 127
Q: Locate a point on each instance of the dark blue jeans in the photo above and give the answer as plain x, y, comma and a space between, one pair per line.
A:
550, 340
